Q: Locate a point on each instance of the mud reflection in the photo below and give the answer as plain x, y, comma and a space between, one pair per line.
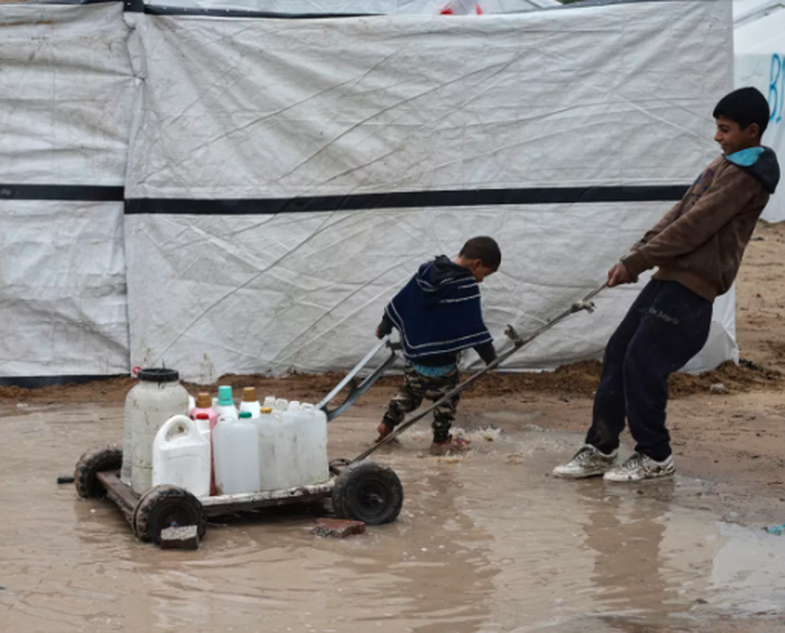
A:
626, 534
441, 579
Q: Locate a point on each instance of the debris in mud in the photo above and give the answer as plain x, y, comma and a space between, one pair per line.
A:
65, 480
718, 388
449, 459
337, 528
776, 530
186, 537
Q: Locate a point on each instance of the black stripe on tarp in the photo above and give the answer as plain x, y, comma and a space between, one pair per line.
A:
82, 193
139, 6
404, 200
216, 12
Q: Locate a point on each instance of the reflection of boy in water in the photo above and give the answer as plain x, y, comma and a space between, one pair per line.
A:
697, 248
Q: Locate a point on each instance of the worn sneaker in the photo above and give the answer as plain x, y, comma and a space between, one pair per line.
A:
588, 462
639, 467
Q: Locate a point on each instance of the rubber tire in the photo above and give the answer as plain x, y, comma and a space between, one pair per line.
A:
368, 492
91, 463
162, 506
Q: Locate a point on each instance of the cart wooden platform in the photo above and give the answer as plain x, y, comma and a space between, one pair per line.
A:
364, 491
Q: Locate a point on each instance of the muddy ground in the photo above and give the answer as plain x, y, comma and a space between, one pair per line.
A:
692, 556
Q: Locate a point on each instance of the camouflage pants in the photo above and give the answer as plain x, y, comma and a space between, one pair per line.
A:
410, 396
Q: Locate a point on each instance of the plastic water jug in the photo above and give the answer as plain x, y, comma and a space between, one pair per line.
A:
236, 453
312, 430
310, 461
153, 400
181, 456
250, 402
206, 426
276, 451
225, 404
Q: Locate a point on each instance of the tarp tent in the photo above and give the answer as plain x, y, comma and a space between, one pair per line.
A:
285, 177
759, 38
66, 95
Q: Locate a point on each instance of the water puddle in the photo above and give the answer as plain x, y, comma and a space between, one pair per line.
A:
488, 543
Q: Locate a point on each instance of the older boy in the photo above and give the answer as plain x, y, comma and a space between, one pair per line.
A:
438, 314
697, 248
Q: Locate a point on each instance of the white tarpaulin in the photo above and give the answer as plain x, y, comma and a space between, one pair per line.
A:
287, 177
66, 95
760, 62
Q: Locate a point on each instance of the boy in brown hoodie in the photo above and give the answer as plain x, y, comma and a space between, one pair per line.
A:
697, 248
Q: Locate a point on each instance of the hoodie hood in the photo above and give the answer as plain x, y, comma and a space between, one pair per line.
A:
437, 276
761, 162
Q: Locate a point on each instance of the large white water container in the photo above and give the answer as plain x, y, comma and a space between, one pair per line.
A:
275, 438
236, 455
156, 397
181, 456
312, 430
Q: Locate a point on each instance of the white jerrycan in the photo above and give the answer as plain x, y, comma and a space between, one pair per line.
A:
236, 455
181, 456
312, 427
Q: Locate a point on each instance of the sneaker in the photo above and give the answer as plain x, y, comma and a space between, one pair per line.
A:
639, 467
588, 462
383, 430
448, 447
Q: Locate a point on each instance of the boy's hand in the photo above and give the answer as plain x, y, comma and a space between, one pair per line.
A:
379, 333
618, 275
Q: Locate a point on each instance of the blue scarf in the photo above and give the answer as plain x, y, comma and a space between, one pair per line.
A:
438, 311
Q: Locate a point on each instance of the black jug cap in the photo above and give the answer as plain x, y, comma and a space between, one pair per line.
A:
158, 374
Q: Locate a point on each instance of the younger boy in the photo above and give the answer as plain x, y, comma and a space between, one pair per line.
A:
697, 248
438, 314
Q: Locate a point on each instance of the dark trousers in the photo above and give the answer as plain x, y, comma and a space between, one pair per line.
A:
417, 387
665, 327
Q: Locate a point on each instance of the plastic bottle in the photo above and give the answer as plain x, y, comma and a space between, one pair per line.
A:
250, 402
153, 400
181, 456
204, 404
206, 424
225, 405
274, 437
236, 452
312, 429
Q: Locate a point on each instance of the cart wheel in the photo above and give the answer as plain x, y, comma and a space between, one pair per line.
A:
90, 464
163, 507
368, 492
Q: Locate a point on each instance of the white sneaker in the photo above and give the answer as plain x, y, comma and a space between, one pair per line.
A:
639, 467
588, 462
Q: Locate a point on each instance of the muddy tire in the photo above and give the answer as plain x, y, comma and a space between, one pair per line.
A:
166, 506
92, 462
368, 492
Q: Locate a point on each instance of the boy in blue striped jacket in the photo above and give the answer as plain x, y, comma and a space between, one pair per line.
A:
438, 315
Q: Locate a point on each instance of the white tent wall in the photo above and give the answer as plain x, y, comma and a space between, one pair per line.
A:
760, 62
240, 261
66, 95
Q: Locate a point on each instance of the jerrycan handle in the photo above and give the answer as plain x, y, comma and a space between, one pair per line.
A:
175, 426
305, 406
